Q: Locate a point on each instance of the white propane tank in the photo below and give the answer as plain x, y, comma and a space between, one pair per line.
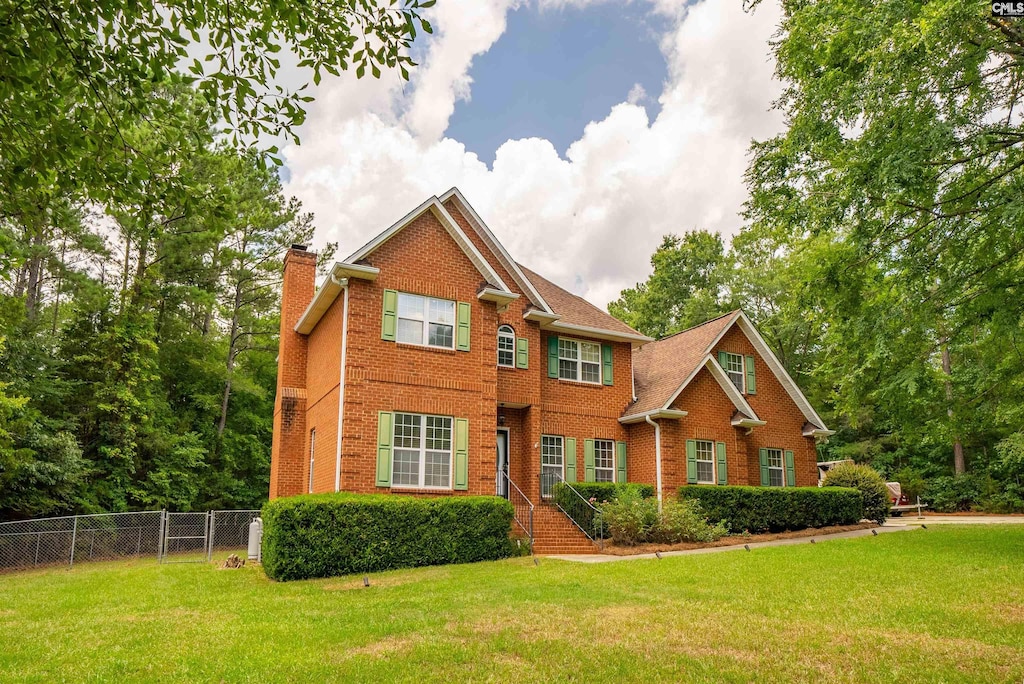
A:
255, 538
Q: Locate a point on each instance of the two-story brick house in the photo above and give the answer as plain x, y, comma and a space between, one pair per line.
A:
448, 368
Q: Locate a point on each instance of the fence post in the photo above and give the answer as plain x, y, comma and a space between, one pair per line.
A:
160, 537
210, 517
74, 535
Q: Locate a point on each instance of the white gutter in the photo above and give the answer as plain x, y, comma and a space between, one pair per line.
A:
657, 455
343, 284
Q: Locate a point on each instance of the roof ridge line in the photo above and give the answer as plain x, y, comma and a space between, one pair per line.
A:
699, 325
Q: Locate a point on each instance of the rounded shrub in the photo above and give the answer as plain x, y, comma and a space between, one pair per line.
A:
870, 483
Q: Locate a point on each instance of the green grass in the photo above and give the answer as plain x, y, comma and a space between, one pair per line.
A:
943, 605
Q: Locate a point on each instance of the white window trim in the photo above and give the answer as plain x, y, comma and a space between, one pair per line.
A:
714, 461
561, 443
423, 453
615, 466
781, 468
742, 371
579, 361
312, 455
425, 338
507, 331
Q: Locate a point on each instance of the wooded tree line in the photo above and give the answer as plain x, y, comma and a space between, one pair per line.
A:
141, 235
883, 250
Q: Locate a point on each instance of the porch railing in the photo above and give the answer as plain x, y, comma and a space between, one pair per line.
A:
523, 507
576, 507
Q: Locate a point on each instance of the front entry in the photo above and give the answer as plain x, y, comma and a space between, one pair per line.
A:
502, 463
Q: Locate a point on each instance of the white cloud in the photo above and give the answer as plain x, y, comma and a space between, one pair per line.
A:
637, 94
373, 150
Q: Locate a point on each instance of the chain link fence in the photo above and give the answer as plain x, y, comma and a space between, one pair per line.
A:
163, 536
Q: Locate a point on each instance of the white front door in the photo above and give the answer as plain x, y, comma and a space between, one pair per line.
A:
502, 462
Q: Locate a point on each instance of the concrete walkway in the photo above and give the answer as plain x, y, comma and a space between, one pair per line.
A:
603, 558
913, 520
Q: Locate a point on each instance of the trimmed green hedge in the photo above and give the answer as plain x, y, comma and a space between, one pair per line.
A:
775, 509
323, 535
599, 492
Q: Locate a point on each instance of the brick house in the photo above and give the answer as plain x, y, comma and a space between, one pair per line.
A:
448, 368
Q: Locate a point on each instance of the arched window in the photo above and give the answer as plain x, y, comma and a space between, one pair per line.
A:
506, 346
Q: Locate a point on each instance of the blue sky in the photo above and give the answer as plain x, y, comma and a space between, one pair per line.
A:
555, 70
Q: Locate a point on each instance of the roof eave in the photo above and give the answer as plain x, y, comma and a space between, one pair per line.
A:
328, 292
669, 414
819, 433
499, 297
553, 323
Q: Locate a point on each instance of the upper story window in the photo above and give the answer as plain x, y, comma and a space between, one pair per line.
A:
578, 360
506, 347
604, 460
734, 367
426, 321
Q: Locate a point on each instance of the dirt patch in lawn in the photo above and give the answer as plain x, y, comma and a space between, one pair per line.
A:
733, 540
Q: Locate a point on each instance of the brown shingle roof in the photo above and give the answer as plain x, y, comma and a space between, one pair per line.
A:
572, 309
659, 368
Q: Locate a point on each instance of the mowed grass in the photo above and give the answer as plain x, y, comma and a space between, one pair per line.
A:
944, 605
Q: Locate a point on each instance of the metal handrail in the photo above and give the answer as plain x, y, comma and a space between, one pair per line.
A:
586, 510
527, 527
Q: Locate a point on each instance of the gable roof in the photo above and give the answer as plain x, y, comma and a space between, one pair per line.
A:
497, 249
555, 308
446, 220
663, 369
574, 310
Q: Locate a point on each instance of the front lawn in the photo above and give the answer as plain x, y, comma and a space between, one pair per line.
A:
943, 604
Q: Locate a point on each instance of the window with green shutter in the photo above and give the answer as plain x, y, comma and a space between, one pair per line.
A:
553, 356
462, 335
607, 357
751, 379
384, 420
522, 353
723, 477
588, 460
790, 470
570, 459
461, 453
620, 455
691, 461
389, 318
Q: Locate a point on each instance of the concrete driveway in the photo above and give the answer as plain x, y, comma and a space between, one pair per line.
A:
938, 519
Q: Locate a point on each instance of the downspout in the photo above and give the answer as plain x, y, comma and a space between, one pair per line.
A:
343, 284
657, 455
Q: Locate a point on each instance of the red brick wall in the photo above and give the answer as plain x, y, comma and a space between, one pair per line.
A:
287, 469
773, 404
388, 376
324, 362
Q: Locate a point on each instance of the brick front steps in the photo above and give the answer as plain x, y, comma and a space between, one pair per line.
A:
554, 533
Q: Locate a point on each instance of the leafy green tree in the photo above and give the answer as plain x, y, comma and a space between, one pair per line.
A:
689, 285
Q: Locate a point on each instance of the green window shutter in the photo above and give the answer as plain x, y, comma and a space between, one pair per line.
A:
764, 467
588, 460
620, 452
389, 319
384, 420
691, 461
790, 470
570, 459
723, 475
607, 374
462, 333
721, 358
522, 353
553, 357
461, 453
751, 380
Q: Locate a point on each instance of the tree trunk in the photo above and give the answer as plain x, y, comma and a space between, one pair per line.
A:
232, 341
34, 279
959, 466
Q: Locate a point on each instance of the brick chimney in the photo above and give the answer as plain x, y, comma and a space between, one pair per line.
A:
288, 464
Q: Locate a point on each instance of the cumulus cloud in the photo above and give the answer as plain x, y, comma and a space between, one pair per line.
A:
372, 150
